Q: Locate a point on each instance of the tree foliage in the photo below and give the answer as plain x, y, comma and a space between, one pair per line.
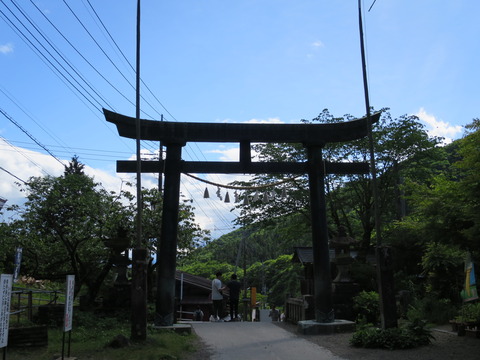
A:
442, 223
64, 225
71, 225
349, 198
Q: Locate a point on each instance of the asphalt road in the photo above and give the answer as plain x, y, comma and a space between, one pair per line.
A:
257, 340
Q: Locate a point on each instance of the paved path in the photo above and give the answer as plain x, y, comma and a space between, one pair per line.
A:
257, 340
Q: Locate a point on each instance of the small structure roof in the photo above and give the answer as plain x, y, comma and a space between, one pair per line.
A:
197, 281
303, 255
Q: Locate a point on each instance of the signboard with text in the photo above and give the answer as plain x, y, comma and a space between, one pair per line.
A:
5, 297
69, 293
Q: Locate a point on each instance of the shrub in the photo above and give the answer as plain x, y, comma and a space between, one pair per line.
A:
366, 305
412, 335
469, 313
432, 309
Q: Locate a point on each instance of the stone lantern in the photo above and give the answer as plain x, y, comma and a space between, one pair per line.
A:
344, 289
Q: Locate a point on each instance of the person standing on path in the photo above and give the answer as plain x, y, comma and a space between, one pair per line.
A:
217, 296
234, 288
274, 314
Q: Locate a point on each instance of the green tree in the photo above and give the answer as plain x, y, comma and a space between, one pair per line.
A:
469, 183
190, 235
443, 219
64, 225
278, 278
349, 198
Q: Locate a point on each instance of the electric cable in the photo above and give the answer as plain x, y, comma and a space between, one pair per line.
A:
28, 134
83, 57
11, 174
38, 52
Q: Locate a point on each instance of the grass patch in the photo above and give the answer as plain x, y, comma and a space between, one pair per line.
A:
91, 337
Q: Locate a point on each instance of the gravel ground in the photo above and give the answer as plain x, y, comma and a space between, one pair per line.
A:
447, 345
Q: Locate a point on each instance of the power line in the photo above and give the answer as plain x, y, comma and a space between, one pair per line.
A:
81, 55
28, 134
90, 98
128, 62
59, 53
15, 176
102, 50
25, 156
30, 116
371, 6
39, 52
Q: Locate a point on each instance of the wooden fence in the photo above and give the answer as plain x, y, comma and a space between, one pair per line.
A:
298, 309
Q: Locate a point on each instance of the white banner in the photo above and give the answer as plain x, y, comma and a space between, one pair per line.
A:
69, 293
18, 262
5, 297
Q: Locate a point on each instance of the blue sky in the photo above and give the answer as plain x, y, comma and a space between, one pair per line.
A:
216, 61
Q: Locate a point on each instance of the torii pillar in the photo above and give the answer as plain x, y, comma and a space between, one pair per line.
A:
321, 265
167, 249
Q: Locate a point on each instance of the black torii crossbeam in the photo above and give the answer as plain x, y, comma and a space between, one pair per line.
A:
175, 135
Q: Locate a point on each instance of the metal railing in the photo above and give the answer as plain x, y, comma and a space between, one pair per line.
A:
24, 303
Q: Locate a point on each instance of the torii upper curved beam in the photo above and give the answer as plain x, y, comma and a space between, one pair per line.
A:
183, 132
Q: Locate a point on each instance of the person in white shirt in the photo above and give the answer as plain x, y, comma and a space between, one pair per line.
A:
217, 297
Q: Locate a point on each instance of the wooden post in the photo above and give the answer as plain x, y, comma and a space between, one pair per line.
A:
321, 258
30, 306
139, 294
167, 249
388, 305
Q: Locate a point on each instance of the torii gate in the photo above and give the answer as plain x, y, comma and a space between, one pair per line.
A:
175, 135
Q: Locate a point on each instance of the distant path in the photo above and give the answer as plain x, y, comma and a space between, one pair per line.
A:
257, 340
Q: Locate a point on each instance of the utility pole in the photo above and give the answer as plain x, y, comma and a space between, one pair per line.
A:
139, 254
160, 173
388, 311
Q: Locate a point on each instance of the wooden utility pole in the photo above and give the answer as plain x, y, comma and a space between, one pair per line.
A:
139, 254
388, 307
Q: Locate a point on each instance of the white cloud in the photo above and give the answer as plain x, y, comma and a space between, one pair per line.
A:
256, 121
6, 48
317, 44
19, 164
211, 214
230, 154
264, 121
438, 127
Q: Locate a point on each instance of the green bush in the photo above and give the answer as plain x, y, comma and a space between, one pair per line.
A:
432, 309
366, 306
412, 335
469, 313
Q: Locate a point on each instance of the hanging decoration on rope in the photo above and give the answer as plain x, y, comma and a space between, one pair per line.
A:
219, 193
266, 197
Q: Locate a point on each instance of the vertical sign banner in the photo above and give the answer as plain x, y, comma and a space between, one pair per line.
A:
469, 292
18, 262
67, 320
5, 297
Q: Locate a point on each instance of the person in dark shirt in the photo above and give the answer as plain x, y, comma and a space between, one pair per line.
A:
234, 288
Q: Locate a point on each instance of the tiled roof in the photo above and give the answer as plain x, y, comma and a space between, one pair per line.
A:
194, 280
303, 255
